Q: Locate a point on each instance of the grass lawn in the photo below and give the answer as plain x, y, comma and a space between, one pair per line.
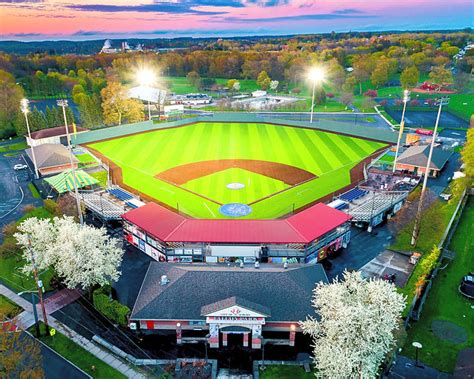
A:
13, 147
8, 309
387, 158
294, 372
101, 176
77, 355
445, 303
10, 264
34, 191
85, 158
180, 84
462, 105
326, 155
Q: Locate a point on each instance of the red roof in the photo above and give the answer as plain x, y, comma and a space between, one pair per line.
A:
57, 131
303, 227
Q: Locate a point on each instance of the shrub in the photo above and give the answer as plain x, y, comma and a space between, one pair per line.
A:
330, 95
28, 208
10, 229
111, 309
9, 247
383, 103
296, 90
414, 103
370, 93
51, 206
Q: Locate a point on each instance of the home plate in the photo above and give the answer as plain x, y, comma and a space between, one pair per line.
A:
235, 186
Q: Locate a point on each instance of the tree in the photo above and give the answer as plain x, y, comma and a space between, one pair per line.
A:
356, 326
10, 97
117, 106
263, 80
274, 85
347, 98
467, 154
380, 74
409, 77
236, 86
80, 254
194, 79
362, 69
441, 75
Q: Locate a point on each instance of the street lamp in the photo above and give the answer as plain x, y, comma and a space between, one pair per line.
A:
417, 347
146, 77
25, 110
416, 228
263, 352
63, 104
406, 99
316, 75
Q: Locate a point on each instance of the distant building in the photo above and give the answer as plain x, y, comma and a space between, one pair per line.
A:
191, 99
414, 160
259, 93
215, 301
124, 47
55, 135
52, 158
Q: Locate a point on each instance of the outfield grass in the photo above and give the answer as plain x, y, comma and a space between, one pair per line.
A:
445, 303
328, 156
77, 355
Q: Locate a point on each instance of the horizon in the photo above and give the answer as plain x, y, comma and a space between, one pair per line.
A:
66, 20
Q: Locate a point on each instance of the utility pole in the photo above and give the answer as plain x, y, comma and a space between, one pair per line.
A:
406, 98
39, 285
416, 228
63, 104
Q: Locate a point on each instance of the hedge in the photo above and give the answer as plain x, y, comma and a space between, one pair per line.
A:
110, 308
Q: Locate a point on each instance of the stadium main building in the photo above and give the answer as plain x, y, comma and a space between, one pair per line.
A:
306, 237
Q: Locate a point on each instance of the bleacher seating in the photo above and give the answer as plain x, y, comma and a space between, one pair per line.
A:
353, 194
120, 194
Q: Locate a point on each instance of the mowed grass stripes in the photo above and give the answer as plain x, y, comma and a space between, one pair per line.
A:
327, 155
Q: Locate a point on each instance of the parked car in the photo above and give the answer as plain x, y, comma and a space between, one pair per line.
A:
18, 167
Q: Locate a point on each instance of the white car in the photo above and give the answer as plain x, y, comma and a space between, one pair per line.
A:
18, 167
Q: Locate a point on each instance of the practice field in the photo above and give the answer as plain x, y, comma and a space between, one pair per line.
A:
200, 167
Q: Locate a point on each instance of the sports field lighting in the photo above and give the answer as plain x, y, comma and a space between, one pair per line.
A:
146, 78
64, 104
316, 76
24, 103
406, 99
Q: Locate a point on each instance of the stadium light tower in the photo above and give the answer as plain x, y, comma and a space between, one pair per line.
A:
64, 104
406, 99
416, 228
146, 78
316, 76
24, 109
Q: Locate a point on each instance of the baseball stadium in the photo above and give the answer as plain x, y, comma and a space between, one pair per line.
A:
245, 170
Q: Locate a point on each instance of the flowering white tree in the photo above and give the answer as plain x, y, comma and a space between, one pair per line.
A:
355, 328
82, 255
274, 85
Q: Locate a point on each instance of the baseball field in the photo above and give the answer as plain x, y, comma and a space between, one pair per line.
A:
273, 169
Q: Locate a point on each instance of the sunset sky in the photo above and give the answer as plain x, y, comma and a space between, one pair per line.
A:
91, 19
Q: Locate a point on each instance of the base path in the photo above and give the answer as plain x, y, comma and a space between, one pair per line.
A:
290, 175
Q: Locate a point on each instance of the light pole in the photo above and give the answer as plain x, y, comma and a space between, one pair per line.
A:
145, 78
39, 285
263, 352
205, 344
417, 347
24, 109
316, 76
416, 228
406, 98
63, 104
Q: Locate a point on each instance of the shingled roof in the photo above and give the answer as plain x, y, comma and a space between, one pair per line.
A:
418, 156
192, 290
55, 132
51, 155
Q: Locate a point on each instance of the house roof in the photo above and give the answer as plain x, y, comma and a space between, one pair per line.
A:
64, 182
51, 155
283, 294
418, 156
55, 132
303, 227
232, 301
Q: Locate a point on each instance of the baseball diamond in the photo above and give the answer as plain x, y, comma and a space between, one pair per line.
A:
282, 168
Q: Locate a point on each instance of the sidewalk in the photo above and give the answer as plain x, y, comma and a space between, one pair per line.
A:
26, 320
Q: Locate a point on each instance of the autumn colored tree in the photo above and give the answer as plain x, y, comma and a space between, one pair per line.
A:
441, 75
380, 74
194, 79
363, 67
10, 96
409, 77
117, 106
263, 80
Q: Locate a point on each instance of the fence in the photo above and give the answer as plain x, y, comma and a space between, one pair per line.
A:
348, 128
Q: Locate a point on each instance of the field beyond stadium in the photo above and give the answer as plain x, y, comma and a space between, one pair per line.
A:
199, 167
